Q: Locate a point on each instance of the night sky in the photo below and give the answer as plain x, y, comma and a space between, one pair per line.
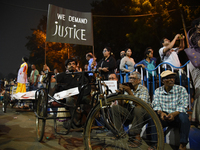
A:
18, 17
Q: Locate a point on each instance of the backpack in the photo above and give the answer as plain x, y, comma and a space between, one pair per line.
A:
150, 66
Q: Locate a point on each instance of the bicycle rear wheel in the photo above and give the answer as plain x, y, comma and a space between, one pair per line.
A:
41, 110
103, 138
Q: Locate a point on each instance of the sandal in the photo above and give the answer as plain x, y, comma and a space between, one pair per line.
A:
135, 144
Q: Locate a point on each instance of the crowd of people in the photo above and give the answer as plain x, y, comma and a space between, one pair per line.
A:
170, 101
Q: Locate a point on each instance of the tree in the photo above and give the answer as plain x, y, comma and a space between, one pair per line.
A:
158, 18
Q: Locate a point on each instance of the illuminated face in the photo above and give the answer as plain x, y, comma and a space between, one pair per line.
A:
134, 80
166, 42
128, 52
55, 71
106, 53
169, 80
32, 67
112, 77
87, 58
150, 55
71, 66
122, 54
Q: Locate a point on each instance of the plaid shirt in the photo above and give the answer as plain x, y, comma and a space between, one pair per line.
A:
175, 100
142, 92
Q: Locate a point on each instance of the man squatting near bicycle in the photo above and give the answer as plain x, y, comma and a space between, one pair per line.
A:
138, 115
170, 103
67, 81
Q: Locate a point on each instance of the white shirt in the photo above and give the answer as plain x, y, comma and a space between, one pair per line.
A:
170, 57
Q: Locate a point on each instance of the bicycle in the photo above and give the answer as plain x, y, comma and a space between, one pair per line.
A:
99, 130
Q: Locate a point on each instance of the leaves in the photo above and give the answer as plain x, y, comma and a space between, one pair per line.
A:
158, 19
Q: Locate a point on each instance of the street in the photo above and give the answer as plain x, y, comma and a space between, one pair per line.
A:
18, 132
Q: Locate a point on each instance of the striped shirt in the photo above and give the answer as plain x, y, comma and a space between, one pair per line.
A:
175, 100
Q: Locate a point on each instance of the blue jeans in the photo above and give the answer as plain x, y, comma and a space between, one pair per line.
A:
181, 121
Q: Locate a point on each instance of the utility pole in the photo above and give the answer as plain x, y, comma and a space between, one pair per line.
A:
183, 21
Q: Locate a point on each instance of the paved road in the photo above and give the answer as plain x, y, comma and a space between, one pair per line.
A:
18, 132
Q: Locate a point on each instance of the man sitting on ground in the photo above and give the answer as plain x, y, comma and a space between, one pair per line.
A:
171, 102
139, 114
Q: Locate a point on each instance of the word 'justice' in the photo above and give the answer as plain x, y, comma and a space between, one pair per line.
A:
70, 32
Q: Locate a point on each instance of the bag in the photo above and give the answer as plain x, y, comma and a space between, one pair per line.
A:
150, 66
193, 56
193, 52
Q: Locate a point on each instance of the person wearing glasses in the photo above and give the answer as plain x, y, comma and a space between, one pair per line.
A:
170, 103
107, 65
138, 115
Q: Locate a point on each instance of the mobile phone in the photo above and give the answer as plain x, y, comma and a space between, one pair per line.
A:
128, 84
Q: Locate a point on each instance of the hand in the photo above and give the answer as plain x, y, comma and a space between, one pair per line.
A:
177, 36
105, 69
170, 117
163, 116
181, 37
125, 87
141, 65
100, 68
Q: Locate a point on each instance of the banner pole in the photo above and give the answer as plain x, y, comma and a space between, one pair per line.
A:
45, 52
93, 50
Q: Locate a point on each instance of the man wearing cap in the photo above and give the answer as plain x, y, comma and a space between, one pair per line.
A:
171, 102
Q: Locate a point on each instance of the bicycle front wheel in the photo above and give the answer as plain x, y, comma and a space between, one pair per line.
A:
115, 127
41, 110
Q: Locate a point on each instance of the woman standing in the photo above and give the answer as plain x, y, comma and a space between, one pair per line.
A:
107, 65
127, 61
22, 76
148, 62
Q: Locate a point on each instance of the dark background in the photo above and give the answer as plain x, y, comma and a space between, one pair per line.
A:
17, 20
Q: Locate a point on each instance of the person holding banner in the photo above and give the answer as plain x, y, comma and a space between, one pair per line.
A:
107, 64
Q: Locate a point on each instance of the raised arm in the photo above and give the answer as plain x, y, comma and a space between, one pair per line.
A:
171, 44
182, 44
